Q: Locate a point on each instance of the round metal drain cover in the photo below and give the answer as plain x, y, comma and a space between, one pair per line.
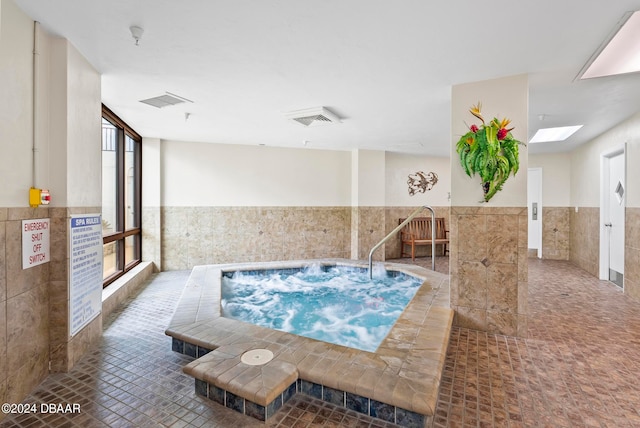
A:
257, 357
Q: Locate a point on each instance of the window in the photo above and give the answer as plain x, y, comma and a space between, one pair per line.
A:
121, 196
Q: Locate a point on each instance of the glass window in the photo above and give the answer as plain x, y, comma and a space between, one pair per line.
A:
131, 244
121, 196
130, 219
109, 177
110, 264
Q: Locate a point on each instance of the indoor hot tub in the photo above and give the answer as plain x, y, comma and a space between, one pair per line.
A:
255, 369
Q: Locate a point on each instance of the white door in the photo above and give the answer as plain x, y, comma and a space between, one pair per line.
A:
614, 224
534, 208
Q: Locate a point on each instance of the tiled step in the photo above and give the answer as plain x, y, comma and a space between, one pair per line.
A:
255, 390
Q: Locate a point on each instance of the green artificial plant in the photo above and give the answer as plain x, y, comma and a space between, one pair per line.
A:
490, 151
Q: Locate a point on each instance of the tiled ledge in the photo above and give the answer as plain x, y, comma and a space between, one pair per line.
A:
404, 372
120, 290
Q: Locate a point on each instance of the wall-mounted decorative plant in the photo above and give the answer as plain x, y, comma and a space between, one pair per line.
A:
490, 151
421, 182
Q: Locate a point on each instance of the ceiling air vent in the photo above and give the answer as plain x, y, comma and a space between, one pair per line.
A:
168, 99
313, 116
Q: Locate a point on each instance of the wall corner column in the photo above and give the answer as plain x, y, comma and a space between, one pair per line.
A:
488, 257
367, 203
151, 202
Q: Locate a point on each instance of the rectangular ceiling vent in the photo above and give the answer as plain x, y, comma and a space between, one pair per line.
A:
168, 99
313, 116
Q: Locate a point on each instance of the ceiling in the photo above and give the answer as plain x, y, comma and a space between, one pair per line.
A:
385, 67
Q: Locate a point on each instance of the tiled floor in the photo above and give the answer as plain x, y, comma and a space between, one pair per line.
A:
579, 367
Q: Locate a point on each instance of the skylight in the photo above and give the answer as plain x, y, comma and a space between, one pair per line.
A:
620, 53
561, 133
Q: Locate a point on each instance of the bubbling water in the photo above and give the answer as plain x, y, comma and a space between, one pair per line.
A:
336, 304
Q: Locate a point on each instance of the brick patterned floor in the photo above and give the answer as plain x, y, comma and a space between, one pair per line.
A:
579, 367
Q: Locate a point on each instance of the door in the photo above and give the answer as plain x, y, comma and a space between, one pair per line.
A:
534, 208
614, 223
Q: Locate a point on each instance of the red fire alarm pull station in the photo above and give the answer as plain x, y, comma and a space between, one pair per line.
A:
45, 197
39, 197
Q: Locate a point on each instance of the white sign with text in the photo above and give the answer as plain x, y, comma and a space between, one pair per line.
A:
35, 242
85, 270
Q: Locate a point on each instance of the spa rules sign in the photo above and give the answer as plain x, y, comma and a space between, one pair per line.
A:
85, 270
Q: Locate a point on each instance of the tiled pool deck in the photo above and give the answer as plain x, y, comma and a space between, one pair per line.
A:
579, 368
397, 383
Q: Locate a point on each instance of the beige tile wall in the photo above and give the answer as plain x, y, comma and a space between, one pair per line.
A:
34, 306
3, 308
65, 351
585, 239
632, 253
366, 231
24, 310
193, 236
556, 229
151, 236
488, 267
182, 237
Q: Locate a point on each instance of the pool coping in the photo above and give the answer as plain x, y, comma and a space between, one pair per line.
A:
403, 372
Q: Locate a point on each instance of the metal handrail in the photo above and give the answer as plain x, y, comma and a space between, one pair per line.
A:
400, 226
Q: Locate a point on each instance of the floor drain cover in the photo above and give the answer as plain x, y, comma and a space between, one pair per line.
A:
257, 357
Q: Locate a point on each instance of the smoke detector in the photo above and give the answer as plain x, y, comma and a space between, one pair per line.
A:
313, 116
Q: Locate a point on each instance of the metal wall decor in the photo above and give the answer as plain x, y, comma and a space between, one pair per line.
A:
421, 182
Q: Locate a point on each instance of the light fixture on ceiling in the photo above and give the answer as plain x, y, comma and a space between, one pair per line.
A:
620, 51
560, 133
313, 116
136, 33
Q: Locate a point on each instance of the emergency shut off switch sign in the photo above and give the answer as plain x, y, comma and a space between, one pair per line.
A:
35, 242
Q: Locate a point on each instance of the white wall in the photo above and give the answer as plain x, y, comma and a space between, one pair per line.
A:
58, 121
151, 159
504, 97
367, 175
556, 178
75, 108
84, 110
16, 95
398, 168
585, 173
201, 174
633, 160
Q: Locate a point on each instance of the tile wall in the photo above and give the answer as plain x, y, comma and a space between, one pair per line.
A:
585, 238
24, 310
193, 236
555, 233
34, 306
65, 351
152, 236
488, 267
632, 253
366, 232
3, 306
178, 238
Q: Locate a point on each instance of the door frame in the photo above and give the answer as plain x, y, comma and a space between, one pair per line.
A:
620, 149
539, 237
